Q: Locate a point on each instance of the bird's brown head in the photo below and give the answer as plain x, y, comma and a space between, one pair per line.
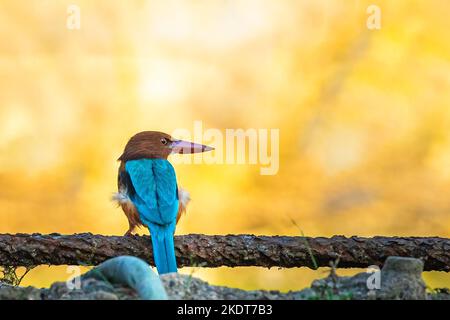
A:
157, 145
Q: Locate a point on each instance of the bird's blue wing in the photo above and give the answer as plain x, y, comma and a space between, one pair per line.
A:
155, 183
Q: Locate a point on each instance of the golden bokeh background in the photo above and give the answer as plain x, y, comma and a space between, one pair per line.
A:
364, 117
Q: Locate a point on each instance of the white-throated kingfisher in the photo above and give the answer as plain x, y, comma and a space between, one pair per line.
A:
149, 193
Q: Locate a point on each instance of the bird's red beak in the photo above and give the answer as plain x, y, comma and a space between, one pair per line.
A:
180, 146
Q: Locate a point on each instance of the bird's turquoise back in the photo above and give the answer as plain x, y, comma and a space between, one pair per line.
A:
155, 196
155, 183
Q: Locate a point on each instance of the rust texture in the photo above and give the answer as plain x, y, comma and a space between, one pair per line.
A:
224, 250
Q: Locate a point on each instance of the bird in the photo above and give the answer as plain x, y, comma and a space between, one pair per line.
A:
148, 192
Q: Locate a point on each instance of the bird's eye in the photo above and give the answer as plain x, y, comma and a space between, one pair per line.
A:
164, 141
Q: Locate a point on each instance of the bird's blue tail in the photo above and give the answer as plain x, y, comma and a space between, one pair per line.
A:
163, 247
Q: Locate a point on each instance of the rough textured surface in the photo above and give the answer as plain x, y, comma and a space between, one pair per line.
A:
91, 289
183, 287
8, 292
400, 279
229, 250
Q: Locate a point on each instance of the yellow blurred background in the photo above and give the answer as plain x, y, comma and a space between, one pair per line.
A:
364, 117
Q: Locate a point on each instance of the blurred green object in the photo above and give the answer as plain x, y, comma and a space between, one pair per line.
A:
132, 272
